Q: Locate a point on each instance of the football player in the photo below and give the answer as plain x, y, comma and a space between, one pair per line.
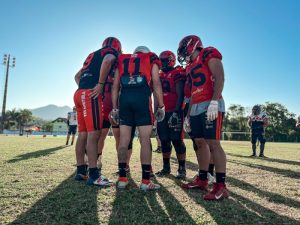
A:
72, 125
133, 79
88, 100
205, 69
170, 130
257, 122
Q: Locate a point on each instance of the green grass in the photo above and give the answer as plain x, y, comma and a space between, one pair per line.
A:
37, 187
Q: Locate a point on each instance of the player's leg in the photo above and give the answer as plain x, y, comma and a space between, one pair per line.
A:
203, 153
74, 131
212, 136
130, 146
68, 136
253, 142
166, 147
101, 141
262, 141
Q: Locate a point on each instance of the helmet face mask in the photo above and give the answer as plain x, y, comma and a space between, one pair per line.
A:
187, 47
112, 42
168, 60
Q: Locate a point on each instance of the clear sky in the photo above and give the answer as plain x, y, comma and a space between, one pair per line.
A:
259, 41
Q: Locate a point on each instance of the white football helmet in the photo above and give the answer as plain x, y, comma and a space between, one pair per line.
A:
142, 49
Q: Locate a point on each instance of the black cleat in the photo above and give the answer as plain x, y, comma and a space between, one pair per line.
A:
181, 174
253, 155
164, 172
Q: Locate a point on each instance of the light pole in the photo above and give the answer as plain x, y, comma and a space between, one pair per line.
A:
7, 63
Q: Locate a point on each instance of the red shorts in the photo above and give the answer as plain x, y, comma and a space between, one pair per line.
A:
89, 111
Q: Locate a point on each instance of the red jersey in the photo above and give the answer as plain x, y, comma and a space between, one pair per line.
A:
201, 76
187, 88
107, 101
168, 82
136, 69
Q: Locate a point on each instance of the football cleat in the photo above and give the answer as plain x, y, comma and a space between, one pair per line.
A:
100, 181
196, 183
81, 177
181, 174
122, 182
210, 179
164, 172
218, 192
149, 186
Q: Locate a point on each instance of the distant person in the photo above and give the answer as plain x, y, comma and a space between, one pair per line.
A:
88, 101
298, 122
132, 106
72, 125
257, 122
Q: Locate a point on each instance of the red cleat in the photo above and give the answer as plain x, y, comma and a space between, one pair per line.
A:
218, 192
197, 184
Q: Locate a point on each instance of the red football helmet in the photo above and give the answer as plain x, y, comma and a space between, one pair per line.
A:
113, 43
187, 46
168, 59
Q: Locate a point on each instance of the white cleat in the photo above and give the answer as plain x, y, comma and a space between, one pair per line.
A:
101, 181
149, 187
211, 179
122, 184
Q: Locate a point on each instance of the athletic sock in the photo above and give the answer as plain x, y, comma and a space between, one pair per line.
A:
82, 170
202, 175
94, 173
122, 169
166, 162
146, 171
211, 169
181, 164
220, 177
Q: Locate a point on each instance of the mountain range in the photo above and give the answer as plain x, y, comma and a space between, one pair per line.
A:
51, 112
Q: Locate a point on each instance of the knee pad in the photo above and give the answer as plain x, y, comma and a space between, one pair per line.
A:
166, 146
179, 146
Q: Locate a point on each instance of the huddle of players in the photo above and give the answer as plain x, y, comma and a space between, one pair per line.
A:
188, 98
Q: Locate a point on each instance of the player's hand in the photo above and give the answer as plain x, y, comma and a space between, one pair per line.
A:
114, 116
212, 110
96, 91
160, 114
187, 125
174, 120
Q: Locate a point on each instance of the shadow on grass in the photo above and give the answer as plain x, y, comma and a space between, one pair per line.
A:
240, 210
71, 202
286, 173
36, 154
284, 161
133, 206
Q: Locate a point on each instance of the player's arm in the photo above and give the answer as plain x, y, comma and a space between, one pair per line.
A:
249, 122
115, 90
157, 88
216, 67
266, 122
77, 77
106, 65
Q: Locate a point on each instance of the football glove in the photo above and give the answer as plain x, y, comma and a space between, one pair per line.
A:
160, 114
175, 121
114, 115
186, 125
212, 110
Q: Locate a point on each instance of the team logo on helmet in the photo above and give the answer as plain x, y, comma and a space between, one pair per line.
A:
186, 48
112, 42
168, 59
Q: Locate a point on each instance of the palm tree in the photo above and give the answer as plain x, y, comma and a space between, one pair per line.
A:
24, 116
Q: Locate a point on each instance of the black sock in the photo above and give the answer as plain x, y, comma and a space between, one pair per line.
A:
211, 169
166, 163
122, 169
94, 173
220, 177
202, 175
181, 164
146, 171
82, 170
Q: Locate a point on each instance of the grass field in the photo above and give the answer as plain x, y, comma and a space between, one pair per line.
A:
37, 187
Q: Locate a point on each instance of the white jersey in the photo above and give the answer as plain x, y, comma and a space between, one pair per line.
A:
72, 118
258, 118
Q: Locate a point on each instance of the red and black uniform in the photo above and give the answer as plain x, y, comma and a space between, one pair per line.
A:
202, 89
169, 80
89, 110
135, 99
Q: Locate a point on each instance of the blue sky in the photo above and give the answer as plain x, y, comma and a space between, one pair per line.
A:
259, 41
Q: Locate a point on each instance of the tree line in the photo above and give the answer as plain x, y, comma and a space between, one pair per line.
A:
281, 122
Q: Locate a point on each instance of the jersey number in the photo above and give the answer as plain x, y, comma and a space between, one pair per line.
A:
137, 62
200, 76
88, 61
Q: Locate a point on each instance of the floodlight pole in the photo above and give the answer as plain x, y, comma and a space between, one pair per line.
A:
6, 61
